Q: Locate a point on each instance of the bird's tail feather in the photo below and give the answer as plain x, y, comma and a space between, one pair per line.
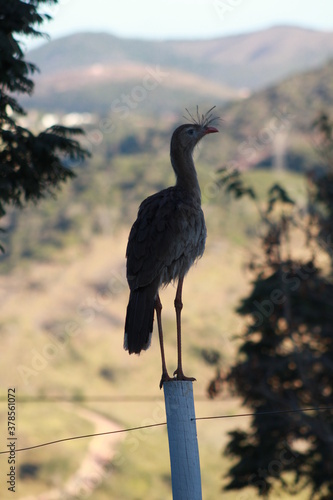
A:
139, 320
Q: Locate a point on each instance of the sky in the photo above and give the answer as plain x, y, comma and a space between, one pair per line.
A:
184, 19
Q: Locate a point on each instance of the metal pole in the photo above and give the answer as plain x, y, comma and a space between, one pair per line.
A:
183, 443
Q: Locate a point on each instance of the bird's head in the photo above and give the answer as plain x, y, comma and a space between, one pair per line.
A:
187, 136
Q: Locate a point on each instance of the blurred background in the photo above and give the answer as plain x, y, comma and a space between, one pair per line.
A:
125, 72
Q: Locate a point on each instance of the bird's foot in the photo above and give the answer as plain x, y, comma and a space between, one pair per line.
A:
165, 378
180, 375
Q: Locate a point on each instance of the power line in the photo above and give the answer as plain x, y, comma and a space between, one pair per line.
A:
97, 399
84, 399
264, 413
85, 436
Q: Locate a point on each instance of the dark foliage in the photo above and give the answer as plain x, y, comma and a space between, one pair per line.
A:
285, 362
211, 356
32, 165
28, 470
107, 373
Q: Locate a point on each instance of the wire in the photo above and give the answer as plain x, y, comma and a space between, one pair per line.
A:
85, 436
97, 399
84, 399
264, 413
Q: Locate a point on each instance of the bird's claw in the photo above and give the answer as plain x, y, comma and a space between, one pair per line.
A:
165, 378
179, 375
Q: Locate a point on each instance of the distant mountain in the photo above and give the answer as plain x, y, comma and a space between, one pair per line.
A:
269, 129
275, 125
256, 60
87, 71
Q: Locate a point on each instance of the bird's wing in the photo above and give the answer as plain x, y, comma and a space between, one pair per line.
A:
166, 229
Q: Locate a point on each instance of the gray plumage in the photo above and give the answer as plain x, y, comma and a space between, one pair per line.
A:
167, 237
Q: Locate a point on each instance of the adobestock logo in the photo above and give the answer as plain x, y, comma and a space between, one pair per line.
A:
286, 457
280, 121
126, 102
251, 149
223, 7
122, 106
56, 344
292, 280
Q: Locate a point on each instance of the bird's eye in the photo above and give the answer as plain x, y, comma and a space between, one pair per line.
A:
190, 131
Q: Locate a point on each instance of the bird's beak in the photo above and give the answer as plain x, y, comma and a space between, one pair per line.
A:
210, 130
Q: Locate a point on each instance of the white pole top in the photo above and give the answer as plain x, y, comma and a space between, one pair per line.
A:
183, 443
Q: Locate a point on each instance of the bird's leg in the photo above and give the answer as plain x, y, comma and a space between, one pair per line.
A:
158, 307
179, 307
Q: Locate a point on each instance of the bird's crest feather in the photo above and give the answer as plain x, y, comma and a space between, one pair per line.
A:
204, 120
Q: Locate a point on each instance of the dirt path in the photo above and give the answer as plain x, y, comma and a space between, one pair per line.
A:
95, 466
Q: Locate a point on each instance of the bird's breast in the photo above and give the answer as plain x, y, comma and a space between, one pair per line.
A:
166, 239
189, 241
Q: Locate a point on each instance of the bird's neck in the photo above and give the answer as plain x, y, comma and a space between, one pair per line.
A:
186, 175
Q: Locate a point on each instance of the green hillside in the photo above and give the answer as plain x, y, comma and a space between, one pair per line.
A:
62, 281
87, 71
279, 119
130, 161
251, 60
62, 331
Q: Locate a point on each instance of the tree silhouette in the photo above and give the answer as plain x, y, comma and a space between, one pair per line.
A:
285, 362
32, 165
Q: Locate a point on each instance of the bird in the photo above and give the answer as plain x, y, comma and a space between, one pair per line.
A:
166, 239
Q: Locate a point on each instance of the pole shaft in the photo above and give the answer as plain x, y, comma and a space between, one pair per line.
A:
183, 443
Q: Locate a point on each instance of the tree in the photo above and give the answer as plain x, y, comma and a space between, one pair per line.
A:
285, 362
32, 165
